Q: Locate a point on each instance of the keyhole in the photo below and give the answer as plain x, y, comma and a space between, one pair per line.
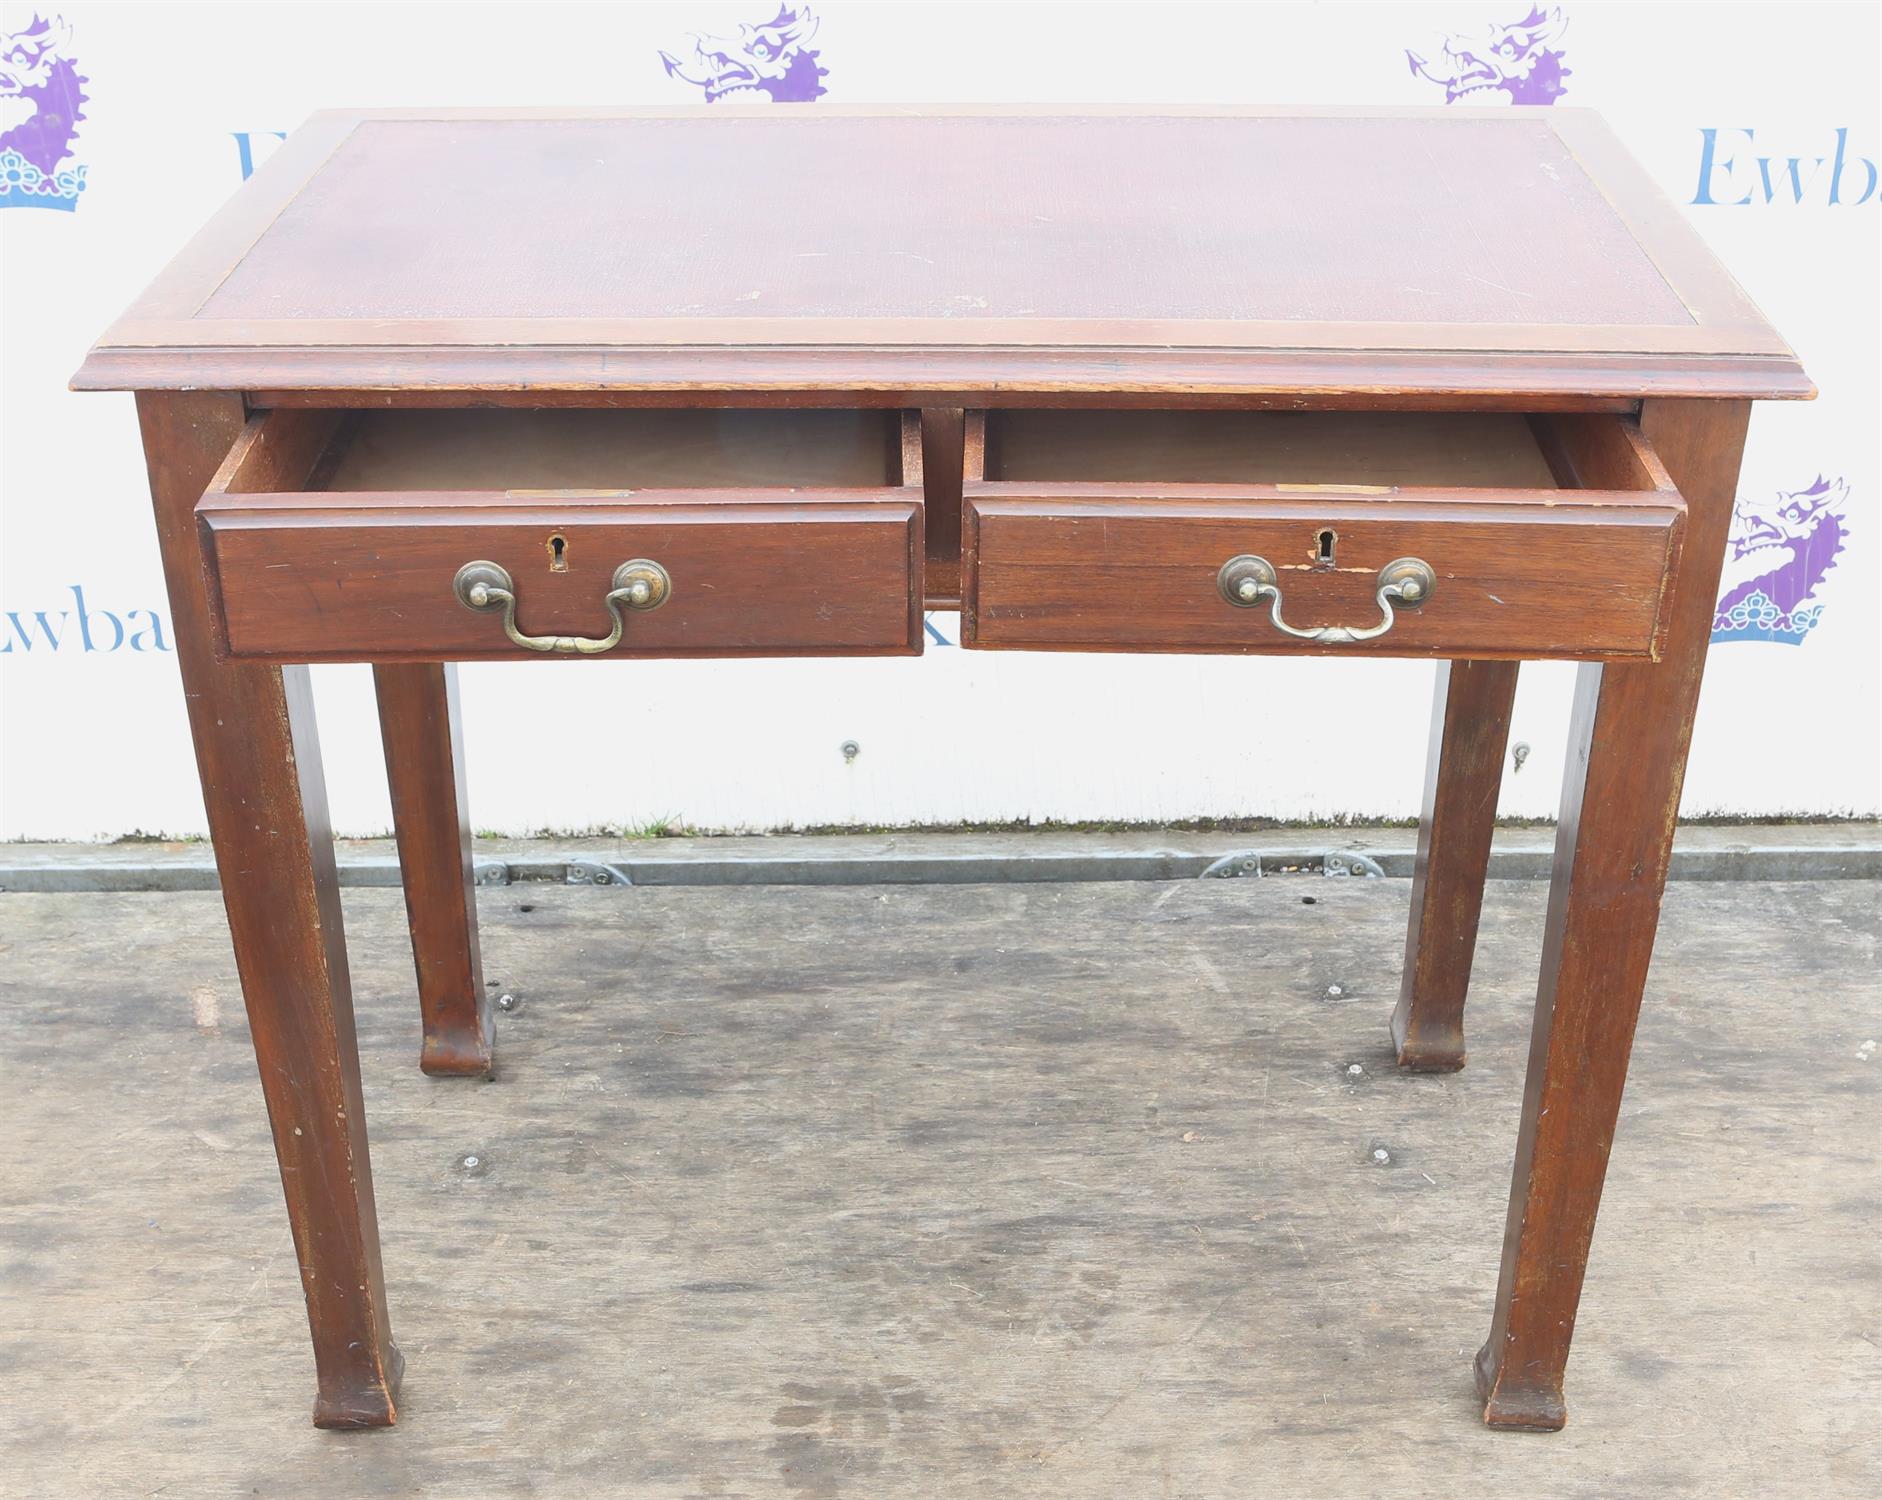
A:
558, 553
1324, 548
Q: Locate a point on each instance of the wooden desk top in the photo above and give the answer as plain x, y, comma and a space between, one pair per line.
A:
926, 251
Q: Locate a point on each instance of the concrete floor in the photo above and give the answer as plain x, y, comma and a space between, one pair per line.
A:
963, 1191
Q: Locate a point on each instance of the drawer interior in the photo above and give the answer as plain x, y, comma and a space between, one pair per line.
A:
512, 448
1344, 449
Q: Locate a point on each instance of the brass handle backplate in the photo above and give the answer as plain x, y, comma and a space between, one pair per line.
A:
638, 584
1247, 581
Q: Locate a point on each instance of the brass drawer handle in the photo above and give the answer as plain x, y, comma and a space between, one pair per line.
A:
638, 584
1247, 580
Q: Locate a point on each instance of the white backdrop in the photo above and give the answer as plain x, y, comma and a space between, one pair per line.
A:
1761, 119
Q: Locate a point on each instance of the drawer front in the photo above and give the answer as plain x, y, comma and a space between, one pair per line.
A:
359, 576
1565, 573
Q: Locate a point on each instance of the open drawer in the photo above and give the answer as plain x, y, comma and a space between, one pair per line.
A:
1386, 533
490, 533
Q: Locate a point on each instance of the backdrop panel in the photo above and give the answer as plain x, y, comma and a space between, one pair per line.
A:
123, 126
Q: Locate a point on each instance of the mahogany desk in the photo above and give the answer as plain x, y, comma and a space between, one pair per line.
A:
438, 386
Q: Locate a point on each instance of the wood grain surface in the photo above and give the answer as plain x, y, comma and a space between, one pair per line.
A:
944, 465
1470, 726
336, 572
422, 730
540, 449
1465, 449
258, 753
745, 242
1060, 555
1628, 739
830, 573
1100, 568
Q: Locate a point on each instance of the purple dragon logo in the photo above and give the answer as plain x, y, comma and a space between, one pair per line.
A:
770, 60
1777, 556
1520, 60
40, 107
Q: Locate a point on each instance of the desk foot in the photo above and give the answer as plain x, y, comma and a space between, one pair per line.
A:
1427, 1049
369, 1399
1533, 1408
458, 1053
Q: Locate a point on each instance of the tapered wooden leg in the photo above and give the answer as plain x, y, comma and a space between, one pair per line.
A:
1627, 758
259, 759
418, 719
1470, 724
